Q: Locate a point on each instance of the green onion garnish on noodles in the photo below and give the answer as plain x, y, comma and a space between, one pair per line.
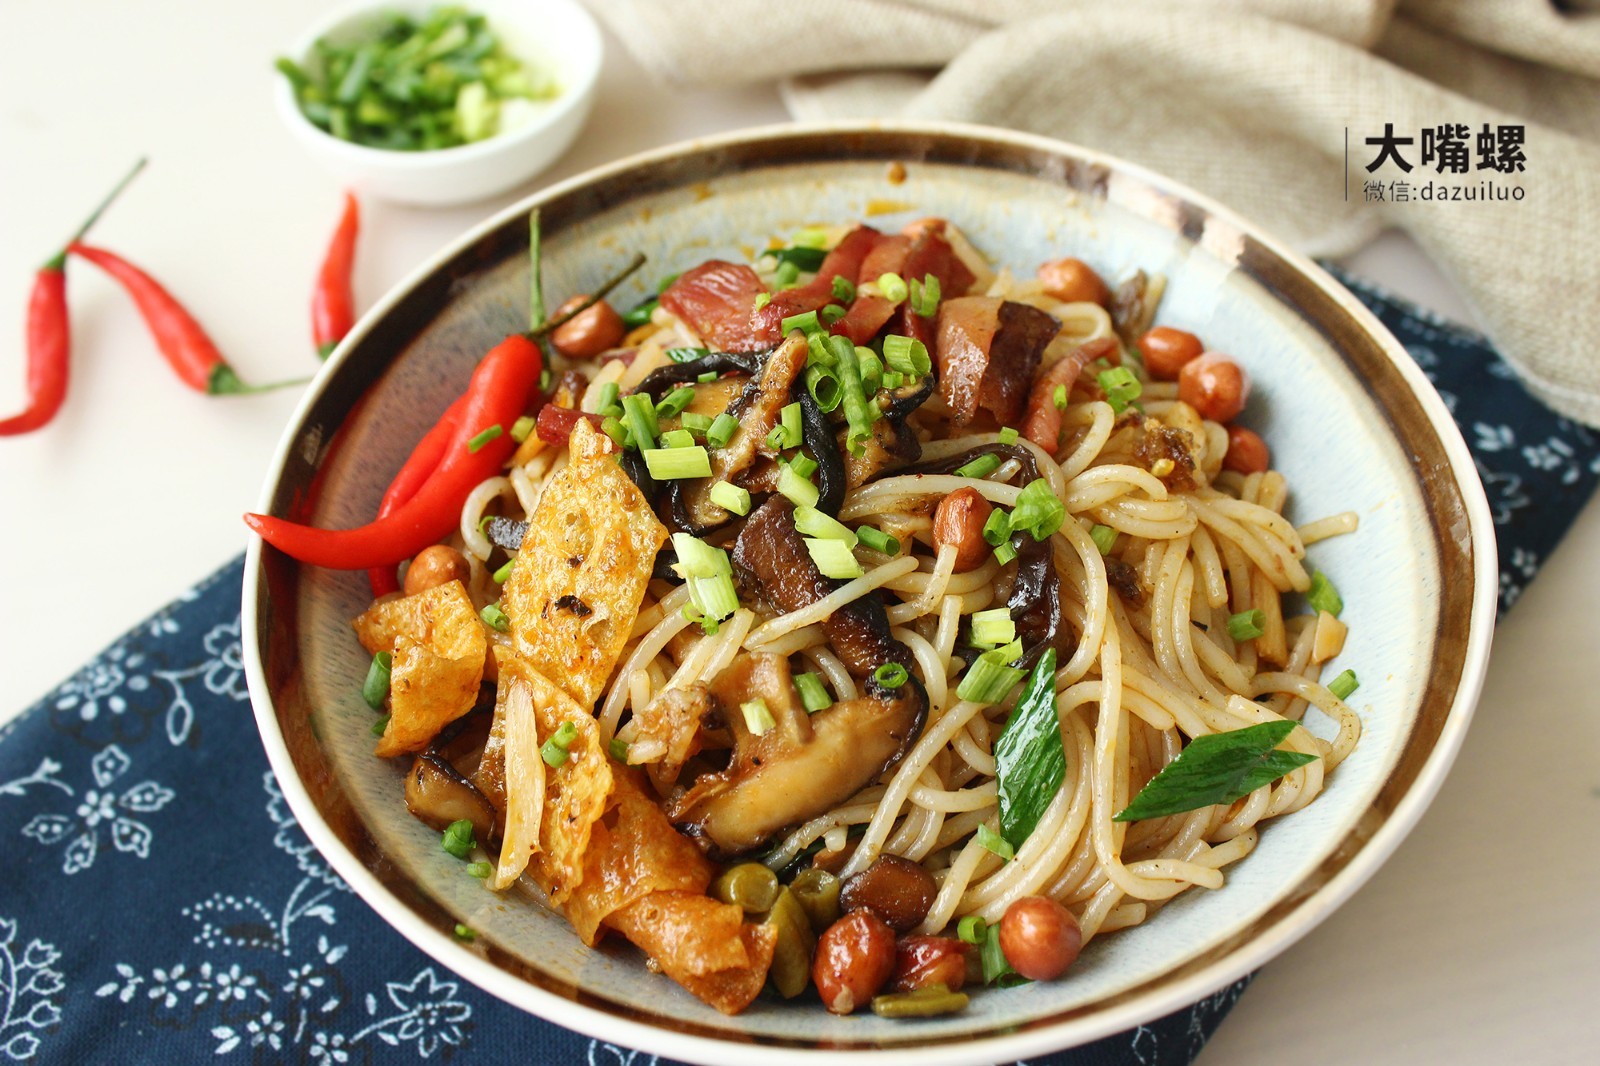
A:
993, 628
1247, 625
757, 718
813, 695
811, 237
982, 466
890, 675
1008, 435
858, 413
802, 257
831, 313
806, 323
495, 618
1060, 398
1344, 685
1322, 596
639, 415
833, 558
708, 377
787, 432
871, 368
477, 442
995, 966
997, 530
814, 523
786, 275
380, 726
466, 932
844, 290
697, 424
612, 427
906, 355
480, 870
618, 750
608, 399
803, 464
798, 490
971, 929
677, 438
1039, 510
1120, 386
722, 430
376, 687
554, 751
672, 404
892, 287
1104, 537
823, 385
676, 463
709, 575
762, 300
991, 676
522, 428
924, 296
457, 838
878, 540
1217, 768
893, 379
687, 355
1004, 553
504, 572
989, 840
731, 498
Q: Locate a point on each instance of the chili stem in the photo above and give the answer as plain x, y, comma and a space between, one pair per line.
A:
589, 301
59, 260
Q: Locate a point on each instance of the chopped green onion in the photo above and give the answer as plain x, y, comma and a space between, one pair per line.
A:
666, 282
457, 838
893, 379
608, 399
545, 380
709, 575
677, 438
1120, 386
1060, 398
997, 530
989, 840
831, 314
811, 237
697, 424
982, 466
993, 957
813, 695
1004, 553
696, 558
858, 413
1343, 685
673, 403
789, 422
722, 430
1039, 510
823, 385
1322, 596
803, 464
554, 751
675, 464
777, 438
612, 427
805, 323
639, 415
1104, 537
800, 492
993, 627
786, 275
762, 300
465, 932
691, 613
1008, 435
483, 438
635, 317
814, 523
731, 498
990, 678
380, 725
376, 688
504, 572
833, 558
495, 618
522, 428
906, 355
844, 290
1246, 625
891, 675
971, 929
686, 355
618, 750
871, 368
878, 540
480, 870
708, 377
819, 350
892, 287
925, 295
757, 718
801, 257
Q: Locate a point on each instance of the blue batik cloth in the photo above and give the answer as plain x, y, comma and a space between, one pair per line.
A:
158, 903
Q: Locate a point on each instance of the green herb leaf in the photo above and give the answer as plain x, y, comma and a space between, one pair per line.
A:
1030, 761
1218, 768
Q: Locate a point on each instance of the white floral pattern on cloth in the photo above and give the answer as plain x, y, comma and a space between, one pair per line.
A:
192, 928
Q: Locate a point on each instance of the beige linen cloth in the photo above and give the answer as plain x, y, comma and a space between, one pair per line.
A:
1246, 100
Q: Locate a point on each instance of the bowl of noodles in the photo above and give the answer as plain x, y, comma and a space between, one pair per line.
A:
962, 597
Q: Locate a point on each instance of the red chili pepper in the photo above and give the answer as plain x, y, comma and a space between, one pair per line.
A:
181, 339
413, 475
333, 301
50, 333
501, 387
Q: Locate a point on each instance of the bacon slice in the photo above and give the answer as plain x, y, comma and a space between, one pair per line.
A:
1042, 424
843, 261
717, 300
988, 351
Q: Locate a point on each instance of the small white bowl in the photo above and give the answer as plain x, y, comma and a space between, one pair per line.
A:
555, 35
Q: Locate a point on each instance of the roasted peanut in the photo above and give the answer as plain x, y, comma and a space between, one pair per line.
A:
589, 333
435, 565
1247, 452
1073, 281
922, 961
1167, 350
1215, 386
894, 888
959, 522
1040, 937
854, 958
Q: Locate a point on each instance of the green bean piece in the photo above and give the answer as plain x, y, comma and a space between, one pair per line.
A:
923, 1003
750, 885
796, 944
817, 892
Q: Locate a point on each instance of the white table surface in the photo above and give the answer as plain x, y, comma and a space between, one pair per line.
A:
1477, 943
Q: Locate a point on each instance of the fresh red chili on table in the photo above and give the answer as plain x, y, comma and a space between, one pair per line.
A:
333, 300
500, 390
414, 473
50, 332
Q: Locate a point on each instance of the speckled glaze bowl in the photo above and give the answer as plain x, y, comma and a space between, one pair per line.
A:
1352, 422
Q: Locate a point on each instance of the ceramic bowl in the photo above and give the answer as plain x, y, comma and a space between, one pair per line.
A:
1352, 422
555, 35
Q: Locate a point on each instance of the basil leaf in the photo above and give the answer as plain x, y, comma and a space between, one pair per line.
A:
1218, 768
1030, 762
